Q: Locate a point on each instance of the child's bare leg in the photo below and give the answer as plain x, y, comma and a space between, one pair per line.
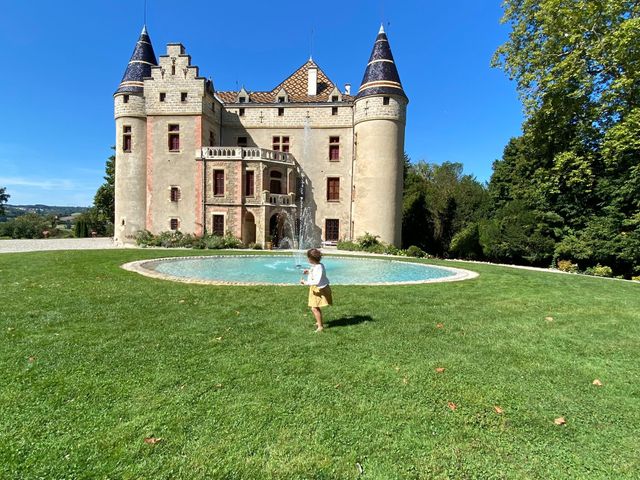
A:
318, 314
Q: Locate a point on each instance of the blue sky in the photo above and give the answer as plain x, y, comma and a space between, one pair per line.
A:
63, 60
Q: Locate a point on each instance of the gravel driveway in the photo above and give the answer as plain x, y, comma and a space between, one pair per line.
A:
12, 246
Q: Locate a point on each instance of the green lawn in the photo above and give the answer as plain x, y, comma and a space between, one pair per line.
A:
236, 385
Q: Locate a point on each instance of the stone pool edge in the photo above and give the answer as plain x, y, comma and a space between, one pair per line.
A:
137, 266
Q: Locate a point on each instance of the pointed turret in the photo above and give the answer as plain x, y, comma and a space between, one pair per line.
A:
142, 59
381, 76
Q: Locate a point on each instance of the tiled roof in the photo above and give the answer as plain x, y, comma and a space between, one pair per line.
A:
381, 76
295, 86
139, 67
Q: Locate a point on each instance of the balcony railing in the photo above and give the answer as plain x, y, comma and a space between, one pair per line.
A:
279, 200
245, 153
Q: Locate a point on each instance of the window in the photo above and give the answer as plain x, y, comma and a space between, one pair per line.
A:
163, 96
175, 194
275, 182
334, 98
280, 144
242, 141
173, 68
125, 99
174, 138
249, 187
126, 138
281, 112
331, 230
218, 225
334, 149
183, 96
174, 224
385, 100
218, 182
242, 99
281, 99
212, 138
333, 189
241, 112
334, 110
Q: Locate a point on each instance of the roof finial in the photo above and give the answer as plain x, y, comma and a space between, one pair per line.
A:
381, 29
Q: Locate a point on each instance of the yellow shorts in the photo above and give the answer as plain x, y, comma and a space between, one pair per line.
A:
320, 297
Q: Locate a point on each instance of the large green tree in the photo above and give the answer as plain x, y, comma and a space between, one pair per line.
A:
104, 199
4, 198
577, 67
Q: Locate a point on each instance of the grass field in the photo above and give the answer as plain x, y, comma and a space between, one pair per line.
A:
233, 383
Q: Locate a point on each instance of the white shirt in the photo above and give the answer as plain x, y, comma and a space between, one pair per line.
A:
317, 276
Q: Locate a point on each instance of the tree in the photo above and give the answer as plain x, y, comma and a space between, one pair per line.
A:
104, 199
4, 197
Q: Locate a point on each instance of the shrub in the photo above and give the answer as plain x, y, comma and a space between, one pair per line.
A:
599, 271
392, 250
567, 266
636, 278
254, 246
348, 245
466, 243
368, 241
414, 251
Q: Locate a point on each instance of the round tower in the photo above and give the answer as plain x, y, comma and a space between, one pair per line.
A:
131, 143
379, 123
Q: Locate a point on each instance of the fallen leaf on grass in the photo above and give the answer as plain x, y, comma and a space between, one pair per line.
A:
452, 406
237, 312
560, 421
597, 383
181, 301
359, 467
152, 440
32, 359
405, 380
337, 385
549, 319
498, 409
219, 338
218, 385
440, 369
440, 325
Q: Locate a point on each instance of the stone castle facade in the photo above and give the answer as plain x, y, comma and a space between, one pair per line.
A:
202, 161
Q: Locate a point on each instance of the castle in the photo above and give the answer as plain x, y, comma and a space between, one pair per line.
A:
202, 161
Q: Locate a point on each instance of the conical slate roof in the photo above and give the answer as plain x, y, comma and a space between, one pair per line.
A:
381, 76
142, 59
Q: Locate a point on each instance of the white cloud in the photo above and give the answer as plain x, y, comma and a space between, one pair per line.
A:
49, 184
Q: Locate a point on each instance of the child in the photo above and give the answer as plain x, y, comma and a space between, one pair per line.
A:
319, 291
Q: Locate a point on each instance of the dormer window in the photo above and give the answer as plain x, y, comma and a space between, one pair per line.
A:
335, 98
281, 99
242, 100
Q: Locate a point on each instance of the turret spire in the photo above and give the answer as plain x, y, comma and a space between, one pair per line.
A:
142, 59
381, 76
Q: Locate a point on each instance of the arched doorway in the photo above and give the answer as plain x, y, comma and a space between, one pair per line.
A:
249, 229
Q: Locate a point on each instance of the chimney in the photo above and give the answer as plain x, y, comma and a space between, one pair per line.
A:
312, 85
347, 88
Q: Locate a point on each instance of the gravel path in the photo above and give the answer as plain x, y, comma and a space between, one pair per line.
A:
12, 246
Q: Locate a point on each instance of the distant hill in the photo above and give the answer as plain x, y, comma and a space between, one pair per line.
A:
12, 211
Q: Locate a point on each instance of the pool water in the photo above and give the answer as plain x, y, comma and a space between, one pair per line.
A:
282, 270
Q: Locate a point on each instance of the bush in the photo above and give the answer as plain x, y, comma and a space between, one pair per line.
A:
636, 278
348, 246
599, 271
30, 225
567, 266
466, 243
177, 239
368, 241
254, 246
414, 251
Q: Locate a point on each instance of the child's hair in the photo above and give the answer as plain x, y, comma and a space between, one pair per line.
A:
314, 254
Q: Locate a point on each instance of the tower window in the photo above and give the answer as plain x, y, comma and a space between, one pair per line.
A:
125, 99
241, 112
331, 229
249, 183
333, 189
242, 141
174, 137
334, 149
174, 224
175, 194
218, 225
281, 112
126, 138
163, 96
183, 96
385, 100
280, 144
334, 110
218, 182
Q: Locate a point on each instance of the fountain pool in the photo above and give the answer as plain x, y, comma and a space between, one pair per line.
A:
282, 270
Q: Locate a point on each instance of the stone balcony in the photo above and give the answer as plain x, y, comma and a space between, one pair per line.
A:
245, 153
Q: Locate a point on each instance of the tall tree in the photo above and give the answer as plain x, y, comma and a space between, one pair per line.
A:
4, 198
104, 199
